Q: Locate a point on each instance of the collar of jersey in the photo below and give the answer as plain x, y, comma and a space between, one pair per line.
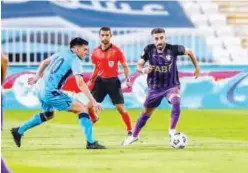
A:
107, 48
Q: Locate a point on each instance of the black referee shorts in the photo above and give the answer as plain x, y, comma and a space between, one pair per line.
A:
111, 86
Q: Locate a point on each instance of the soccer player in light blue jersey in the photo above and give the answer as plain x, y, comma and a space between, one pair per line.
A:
53, 73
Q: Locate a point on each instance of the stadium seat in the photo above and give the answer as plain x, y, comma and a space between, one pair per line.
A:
217, 19
206, 31
239, 53
225, 30
192, 8
221, 55
230, 42
200, 20
208, 7
214, 42
244, 42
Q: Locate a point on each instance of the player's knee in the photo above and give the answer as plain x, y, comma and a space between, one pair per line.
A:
148, 111
120, 109
46, 116
78, 108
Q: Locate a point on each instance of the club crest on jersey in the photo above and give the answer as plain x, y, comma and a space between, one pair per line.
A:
168, 57
111, 64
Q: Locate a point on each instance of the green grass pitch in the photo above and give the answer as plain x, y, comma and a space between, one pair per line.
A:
218, 143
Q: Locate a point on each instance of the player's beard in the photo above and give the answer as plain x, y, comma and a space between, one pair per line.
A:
105, 42
160, 47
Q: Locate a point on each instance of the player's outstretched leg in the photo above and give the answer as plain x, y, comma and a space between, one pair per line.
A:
85, 123
141, 122
125, 117
4, 168
175, 113
36, 120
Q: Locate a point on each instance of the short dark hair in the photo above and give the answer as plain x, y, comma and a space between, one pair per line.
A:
157, 30
78, 42
105, 28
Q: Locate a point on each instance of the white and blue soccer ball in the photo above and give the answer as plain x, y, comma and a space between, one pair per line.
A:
179, 140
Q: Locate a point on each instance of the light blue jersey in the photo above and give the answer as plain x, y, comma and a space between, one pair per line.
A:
62, 65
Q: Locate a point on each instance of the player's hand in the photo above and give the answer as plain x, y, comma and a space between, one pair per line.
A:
147, 70
197, 73
128, 83
33, 80
89, 83
97, 107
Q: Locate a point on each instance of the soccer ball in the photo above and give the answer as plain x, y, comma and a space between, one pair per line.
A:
178, 140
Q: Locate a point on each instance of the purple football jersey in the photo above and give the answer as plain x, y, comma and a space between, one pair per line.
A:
164, 73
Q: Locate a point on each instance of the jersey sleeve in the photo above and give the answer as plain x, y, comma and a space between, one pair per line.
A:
93, 58
145, 54
121, 57
77, 67
179, 49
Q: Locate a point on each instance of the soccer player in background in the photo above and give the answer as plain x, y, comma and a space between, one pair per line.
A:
104, 79
4, 67
52, 73
162, 80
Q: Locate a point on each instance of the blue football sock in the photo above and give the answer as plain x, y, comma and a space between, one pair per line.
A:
87, 126
34, 121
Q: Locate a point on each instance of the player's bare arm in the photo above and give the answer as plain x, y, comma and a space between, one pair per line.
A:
140, 67
126, 73
4, 67
94, 75
126, 70
194, 61
40, 71
84, 88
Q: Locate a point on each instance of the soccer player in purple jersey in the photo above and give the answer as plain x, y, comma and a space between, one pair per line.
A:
4, 67
162, 80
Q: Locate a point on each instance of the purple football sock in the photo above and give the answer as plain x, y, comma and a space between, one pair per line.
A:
140, 124
4, 167
175, 112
